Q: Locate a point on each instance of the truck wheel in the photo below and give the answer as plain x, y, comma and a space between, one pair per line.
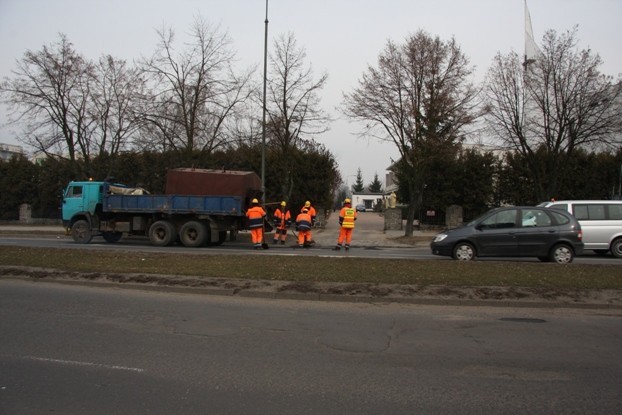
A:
112, 237
193, 234
162, 233
81, 232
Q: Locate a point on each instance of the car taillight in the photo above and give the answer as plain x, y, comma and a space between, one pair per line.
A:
580, 235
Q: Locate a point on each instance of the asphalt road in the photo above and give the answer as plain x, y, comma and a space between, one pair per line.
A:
370, 240
76, 350
239, 248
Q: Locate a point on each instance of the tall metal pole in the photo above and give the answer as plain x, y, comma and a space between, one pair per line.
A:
620, 185
263, 123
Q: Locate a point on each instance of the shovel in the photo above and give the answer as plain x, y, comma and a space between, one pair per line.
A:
264, 244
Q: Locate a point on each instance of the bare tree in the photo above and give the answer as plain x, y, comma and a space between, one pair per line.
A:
70, 107
116, 89
194, 92
419, 98
547, 107
48, 96
293, 103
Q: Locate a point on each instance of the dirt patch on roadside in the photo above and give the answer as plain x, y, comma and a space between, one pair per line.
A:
363, 291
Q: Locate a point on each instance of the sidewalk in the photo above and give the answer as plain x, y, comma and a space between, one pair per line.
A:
368, 231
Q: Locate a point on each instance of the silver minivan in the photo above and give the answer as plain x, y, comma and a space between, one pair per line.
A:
601, 222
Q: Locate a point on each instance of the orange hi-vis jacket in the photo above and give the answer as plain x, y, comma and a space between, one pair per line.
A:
303, 222
255, 217
347, 216
282, 220
311, 211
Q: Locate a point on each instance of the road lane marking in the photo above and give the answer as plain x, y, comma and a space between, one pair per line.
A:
88, 364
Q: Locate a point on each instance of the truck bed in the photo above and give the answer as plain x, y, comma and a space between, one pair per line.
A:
174, 204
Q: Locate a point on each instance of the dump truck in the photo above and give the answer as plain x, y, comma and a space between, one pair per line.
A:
199, 207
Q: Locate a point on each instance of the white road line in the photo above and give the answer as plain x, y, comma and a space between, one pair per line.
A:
89, 364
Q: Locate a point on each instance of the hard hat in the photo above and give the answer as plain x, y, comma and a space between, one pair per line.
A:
283, 204
307, 204
347, 200
254, 201
305, 210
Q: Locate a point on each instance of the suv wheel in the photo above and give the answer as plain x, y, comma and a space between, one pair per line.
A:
464, 252
562, 254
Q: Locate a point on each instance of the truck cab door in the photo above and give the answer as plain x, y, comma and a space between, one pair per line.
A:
73, 200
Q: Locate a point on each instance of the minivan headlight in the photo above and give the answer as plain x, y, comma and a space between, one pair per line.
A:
440, 237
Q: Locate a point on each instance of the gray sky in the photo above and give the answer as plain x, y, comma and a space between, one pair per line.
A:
341, 37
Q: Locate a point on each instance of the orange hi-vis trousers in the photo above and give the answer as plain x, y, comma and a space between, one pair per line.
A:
304, 236
257, 235
345, 234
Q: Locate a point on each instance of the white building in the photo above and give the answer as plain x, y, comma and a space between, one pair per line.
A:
8, 150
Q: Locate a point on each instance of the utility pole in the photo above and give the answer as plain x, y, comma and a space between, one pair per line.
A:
263, 123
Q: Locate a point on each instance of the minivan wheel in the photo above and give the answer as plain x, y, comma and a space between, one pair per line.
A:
464, 252
616, 248
562, 254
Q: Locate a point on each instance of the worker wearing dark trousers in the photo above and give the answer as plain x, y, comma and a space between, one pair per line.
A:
256, 216
282, 222
347, 217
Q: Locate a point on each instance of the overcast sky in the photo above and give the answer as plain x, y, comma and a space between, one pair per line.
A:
341, 37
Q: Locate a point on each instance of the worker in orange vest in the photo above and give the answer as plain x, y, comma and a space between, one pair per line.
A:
303, 226
256, 215
282, 222
347, 217
312, 213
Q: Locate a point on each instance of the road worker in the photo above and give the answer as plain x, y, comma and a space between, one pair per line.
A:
303, 226
311, 211
282, 222
256, 216
347, 217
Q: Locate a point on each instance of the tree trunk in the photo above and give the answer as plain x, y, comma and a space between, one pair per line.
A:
412, 209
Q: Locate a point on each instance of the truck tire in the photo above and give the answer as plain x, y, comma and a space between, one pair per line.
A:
81, 232
193, 234
112, 237
162, 233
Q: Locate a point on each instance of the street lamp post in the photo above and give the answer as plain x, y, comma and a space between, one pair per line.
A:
263, 123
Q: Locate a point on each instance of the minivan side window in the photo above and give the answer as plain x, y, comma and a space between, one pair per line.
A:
615, 211
589, 212
534, 218
500, 220
559, 218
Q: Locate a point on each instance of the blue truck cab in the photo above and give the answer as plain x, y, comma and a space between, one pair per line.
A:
80, 200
